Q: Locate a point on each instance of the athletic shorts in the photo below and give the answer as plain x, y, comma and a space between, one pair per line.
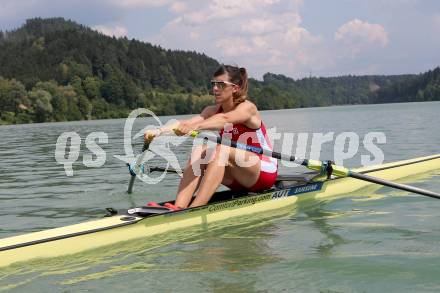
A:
265, 181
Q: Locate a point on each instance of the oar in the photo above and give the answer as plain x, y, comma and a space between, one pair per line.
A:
135, 169
316, 165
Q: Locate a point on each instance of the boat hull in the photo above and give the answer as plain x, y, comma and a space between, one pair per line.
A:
118, 228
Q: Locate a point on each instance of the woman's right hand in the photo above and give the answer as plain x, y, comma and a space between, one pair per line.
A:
184, 128
150, 134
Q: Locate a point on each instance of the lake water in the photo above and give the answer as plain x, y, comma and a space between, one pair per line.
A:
379, 241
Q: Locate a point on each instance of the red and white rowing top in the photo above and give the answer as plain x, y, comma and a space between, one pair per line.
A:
254, 137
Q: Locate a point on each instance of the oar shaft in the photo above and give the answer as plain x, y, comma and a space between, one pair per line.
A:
394, 185
311, 164
316, 165
249, 148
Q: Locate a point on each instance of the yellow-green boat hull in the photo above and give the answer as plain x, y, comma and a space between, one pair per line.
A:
110, 230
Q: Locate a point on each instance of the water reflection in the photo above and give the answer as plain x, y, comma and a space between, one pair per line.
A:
231, 246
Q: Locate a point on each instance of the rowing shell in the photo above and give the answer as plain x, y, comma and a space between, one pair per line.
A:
141, 222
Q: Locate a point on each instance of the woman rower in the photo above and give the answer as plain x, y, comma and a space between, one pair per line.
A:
234, 168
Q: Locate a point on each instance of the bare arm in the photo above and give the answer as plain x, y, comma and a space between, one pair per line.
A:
206, 114
245, 113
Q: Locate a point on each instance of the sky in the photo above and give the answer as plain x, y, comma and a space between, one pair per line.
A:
297, 38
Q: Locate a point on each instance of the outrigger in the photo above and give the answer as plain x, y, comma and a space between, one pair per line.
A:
143, 221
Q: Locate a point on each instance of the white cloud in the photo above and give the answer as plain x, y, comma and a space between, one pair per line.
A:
234, 46
234, 8
178, 7
358, 35
259, 42
194, 35
258, 26
296, 35
260, 35
193, 18
117, 31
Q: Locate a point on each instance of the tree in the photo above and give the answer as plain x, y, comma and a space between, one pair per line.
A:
12, 95
60, 107
91, 87
189, 104
113, 87
131, 94
71, 97
85, 107
50, 86
76, 83
100, 109
41, 103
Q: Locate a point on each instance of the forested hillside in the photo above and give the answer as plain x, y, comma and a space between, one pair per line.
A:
413, 88
58, 70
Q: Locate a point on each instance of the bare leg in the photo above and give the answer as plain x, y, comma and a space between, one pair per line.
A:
190, 181
211, 180
225, 161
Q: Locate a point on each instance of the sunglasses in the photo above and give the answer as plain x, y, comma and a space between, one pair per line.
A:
220, 84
